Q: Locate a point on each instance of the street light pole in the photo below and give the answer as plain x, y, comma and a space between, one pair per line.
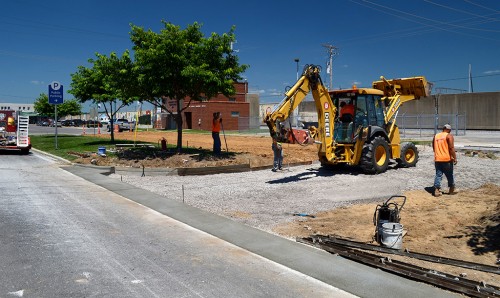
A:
297, 61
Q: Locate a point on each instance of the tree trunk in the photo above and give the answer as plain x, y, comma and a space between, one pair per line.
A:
178, 120
112, 130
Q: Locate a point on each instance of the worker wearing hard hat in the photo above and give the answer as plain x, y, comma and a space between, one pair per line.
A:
444, 159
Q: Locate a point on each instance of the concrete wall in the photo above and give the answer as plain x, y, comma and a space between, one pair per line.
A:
481, 110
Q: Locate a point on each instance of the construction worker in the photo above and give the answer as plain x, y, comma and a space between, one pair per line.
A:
444, 159
216, 123
346, 113
278, 155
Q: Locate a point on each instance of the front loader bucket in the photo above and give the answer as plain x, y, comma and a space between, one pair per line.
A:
416, 86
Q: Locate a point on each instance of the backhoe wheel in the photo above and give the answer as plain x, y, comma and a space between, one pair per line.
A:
375, 156
409, 155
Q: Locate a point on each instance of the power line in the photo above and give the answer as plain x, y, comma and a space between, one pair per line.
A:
466, 78
438, 25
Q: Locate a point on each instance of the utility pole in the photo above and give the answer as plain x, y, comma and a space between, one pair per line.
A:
332, 51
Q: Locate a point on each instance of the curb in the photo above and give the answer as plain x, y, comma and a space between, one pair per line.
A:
187, 171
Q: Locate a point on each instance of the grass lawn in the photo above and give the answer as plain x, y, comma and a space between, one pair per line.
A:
69, 143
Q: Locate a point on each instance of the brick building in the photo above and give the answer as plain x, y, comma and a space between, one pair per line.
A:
199, 114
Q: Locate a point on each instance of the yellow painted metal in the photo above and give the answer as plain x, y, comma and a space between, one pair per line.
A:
310, 81
394, 92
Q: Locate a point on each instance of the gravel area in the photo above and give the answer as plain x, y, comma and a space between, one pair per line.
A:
264, 198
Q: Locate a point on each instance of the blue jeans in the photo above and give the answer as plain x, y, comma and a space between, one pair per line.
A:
278, 157
217, 144
445, 168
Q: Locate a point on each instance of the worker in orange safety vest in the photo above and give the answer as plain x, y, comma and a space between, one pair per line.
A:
216, 123
444, 159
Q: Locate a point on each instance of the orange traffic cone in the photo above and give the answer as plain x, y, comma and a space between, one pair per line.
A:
98, 130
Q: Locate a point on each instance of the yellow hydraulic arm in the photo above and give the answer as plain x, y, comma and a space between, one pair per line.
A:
399, 91
310, 81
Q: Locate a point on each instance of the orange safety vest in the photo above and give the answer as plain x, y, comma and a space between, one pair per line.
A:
216, 125
347, 109
441, 148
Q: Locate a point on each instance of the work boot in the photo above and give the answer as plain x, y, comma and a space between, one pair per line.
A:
452, 190
437, 192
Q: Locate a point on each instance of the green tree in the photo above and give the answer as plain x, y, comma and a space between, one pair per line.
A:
110, 80
184, 65
68, 107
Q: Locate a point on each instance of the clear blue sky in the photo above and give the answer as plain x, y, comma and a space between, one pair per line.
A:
45, 41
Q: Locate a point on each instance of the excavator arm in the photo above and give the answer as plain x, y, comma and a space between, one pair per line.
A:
310, 81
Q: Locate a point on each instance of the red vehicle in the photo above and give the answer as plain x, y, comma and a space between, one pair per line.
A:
14, 132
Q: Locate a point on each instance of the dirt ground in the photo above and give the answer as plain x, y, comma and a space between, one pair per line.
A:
463, 226
253, 150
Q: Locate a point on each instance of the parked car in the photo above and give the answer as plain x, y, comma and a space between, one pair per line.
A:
53, 124
77, 122
66, 122
94, 123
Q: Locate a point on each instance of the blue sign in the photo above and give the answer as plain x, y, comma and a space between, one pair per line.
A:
56, 93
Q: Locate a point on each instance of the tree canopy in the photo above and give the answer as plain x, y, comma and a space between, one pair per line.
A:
175, 63
110, 80
183, 64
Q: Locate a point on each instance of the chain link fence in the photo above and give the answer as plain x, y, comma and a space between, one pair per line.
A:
425, 125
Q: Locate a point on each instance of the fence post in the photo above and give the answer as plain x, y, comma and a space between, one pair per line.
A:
418, 125
465, 123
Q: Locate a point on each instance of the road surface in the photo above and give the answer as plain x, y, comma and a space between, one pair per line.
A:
62, 236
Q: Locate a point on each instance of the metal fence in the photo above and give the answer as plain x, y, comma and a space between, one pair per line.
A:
425, 125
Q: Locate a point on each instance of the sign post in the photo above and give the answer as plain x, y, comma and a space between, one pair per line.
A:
55, 98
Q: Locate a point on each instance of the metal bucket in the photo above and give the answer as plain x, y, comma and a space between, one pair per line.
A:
391, 235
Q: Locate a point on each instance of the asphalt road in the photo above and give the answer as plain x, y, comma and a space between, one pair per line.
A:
66, 130
62, 236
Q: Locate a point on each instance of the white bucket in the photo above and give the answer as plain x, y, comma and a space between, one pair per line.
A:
391, 235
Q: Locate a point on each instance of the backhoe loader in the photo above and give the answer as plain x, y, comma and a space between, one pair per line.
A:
369, 138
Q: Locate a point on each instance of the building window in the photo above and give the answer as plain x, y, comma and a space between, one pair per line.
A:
235, 114
232, 99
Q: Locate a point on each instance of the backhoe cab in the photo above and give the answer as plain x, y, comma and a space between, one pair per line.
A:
355, 126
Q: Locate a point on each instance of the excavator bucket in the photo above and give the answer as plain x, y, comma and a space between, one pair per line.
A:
416, 86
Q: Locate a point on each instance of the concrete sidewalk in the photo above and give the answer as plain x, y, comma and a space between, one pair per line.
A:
349, 276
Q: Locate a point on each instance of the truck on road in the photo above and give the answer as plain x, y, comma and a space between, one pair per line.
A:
123, 125
14, 131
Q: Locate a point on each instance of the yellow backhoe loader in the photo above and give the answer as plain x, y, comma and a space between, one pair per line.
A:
369, 137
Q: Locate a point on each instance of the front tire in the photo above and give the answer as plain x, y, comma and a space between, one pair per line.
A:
375, 156
409, 155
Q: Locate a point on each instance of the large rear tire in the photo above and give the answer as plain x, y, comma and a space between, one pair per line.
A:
375, 156
409, 155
